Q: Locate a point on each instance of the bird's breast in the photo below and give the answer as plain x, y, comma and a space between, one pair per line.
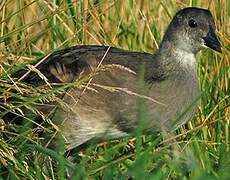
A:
179, 96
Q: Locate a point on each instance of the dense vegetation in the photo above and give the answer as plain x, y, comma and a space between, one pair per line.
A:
31, 29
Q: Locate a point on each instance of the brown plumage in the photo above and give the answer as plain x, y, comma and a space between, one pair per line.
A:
106, 104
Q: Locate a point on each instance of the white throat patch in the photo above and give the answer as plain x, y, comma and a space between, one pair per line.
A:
186, 59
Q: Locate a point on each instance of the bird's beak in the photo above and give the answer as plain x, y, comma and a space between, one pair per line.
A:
212, 41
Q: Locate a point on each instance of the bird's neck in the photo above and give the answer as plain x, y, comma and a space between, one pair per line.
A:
184, 59
176, 60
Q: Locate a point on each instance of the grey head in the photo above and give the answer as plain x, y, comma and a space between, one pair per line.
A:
191, 29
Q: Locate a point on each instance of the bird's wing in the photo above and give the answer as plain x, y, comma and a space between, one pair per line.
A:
66, 65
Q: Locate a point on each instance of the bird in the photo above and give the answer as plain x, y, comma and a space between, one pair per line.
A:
114, 83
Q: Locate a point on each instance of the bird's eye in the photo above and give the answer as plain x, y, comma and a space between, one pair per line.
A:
192, 23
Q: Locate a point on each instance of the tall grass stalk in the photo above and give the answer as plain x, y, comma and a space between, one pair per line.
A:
31, 29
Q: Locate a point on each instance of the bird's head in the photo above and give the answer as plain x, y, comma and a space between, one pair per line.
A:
192, 29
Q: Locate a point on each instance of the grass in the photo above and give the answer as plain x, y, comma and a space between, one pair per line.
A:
31, 29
